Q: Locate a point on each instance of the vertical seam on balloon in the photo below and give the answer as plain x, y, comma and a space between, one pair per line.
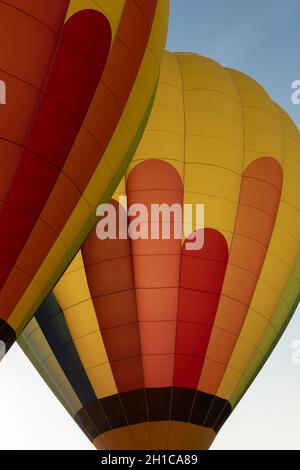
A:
180, 255
138, 320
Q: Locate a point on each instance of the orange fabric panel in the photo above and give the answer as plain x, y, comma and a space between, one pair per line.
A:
258, 205
156, 269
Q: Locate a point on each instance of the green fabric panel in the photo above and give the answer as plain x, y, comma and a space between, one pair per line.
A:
34, 361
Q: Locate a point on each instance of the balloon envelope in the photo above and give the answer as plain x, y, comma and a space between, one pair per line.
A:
147, 343
80, 78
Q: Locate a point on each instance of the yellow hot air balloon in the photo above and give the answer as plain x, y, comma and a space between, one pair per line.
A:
80, 77
148, 343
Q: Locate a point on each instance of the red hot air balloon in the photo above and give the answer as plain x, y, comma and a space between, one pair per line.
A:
80, 78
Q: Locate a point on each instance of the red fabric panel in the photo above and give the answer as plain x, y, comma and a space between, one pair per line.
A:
201, 279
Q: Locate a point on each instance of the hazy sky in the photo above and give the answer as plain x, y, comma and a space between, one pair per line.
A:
262, 39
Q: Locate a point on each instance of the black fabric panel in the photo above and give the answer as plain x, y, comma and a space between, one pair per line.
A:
113, 409
159, 403
55, 329
135, 406
155, 404
86, 424
7, 334
201, 408
182, 403
215, 410
223, 417
92, 419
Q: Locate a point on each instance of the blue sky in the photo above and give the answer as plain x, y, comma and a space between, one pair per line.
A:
260, 38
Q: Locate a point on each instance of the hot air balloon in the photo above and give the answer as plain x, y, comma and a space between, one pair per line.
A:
79, 78
150, 344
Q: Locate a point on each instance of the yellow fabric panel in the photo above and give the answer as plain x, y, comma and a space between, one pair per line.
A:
163, 138
210, 123
214, 151
91, 356
148, 72
209, 81
105, 172
254, 324
78, 220
169, 75
214, 141
73, 316
162, 114
285, 254
171, 147
71, 289
288, 218
40, 349
263, 135
220, 216
235, 377
275, 272
117, 147
72, 294
134, 114
212, 181
167, 94
239, 380
150, 68
101, 376
76, 264
121, 189
265, 297
112, 9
